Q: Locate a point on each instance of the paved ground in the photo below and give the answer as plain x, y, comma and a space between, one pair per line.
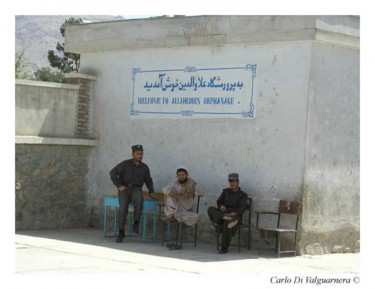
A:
86, 251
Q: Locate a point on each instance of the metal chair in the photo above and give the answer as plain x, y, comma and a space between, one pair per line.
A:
180, 226
286, 208
243, 225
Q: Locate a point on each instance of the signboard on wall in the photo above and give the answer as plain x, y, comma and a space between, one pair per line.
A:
193, 92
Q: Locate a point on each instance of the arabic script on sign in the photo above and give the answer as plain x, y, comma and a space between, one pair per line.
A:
193, 92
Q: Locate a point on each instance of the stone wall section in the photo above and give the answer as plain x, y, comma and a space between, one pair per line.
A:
50, 186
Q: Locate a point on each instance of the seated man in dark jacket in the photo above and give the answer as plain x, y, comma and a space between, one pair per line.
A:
230, 206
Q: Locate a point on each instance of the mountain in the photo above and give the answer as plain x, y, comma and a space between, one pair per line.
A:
36, 34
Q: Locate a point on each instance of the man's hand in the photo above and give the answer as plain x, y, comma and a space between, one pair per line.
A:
184, 197
187, 196
173, 194
223, 208
122, 188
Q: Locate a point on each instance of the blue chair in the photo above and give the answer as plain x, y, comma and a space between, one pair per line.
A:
149, 209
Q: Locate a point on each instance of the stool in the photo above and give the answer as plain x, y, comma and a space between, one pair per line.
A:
149, 208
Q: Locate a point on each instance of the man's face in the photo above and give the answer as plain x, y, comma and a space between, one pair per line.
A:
138, 156
182, 177
233, 184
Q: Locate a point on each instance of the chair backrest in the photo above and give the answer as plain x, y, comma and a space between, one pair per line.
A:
291, 208
197, 204
248, 209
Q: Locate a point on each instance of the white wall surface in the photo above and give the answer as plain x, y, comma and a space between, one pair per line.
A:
332, 156
267, 152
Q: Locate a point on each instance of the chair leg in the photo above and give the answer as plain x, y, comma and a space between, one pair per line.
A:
168, 231
217, 240
177, 232
181, 233
105, 221
277, 242
295, 244
278, 245
144, 224
181, 228
239, 239
260, 242
162, 234
154, 227
115, 229
248, 238
195, 235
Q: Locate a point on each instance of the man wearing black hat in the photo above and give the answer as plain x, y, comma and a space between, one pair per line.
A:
129, 177
230, 206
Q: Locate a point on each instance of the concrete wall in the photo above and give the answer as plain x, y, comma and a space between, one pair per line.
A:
45, 109
51, 164
307, 77
331, 183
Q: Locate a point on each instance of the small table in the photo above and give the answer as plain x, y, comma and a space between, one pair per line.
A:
149, 208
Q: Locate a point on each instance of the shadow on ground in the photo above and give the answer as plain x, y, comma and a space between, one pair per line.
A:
204, 252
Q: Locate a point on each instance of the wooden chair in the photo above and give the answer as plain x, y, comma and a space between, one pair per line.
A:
286, 208
243, 225
180, 226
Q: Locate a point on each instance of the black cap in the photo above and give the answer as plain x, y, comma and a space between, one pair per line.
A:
137, 148
233, 177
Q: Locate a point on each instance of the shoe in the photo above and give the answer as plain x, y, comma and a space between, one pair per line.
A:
120, 238
227, 218
136, 228
223, 251
232, 224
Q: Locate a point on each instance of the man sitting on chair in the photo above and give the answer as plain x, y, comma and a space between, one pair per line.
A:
230, 206
179, 201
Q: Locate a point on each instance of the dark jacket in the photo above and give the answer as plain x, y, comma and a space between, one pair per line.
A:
128, 174
233, 201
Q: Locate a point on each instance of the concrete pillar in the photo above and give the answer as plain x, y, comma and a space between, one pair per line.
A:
84, 116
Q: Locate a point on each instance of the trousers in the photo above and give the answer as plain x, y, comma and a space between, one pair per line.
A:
129, 195
216, 216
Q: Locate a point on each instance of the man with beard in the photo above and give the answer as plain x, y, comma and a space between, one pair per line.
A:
231, 204
179, 199
129, 177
